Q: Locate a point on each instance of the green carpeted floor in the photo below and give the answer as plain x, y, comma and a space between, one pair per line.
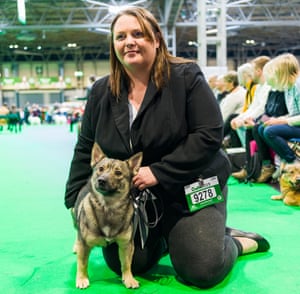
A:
37, 233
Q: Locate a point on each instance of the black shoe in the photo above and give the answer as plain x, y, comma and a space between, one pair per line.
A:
262, 244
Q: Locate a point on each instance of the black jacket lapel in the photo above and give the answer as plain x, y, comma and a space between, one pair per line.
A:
120, 114
149, 95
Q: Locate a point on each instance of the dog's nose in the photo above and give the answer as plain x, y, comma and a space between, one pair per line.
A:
101, 182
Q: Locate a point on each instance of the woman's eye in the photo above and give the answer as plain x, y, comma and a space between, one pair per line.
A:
138, 34
120, 37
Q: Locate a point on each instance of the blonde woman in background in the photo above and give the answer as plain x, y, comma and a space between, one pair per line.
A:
283, 73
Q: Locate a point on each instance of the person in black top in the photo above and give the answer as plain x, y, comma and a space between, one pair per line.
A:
162, 105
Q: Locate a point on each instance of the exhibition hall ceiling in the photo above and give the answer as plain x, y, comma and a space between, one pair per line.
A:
78, 29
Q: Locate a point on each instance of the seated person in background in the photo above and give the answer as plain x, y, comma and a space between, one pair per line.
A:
283, 73
14, 119
3, 116
275, 107
232, 103
245, 78
212, 82
92, 80
257, 107
35, 115
220, 90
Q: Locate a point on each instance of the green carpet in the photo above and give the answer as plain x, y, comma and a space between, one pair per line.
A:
37, 233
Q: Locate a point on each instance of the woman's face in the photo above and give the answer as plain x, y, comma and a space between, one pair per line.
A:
131, 46
228, 85
272, 82
257, 73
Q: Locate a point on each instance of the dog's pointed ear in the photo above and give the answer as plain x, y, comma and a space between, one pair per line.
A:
135, 162
97, 154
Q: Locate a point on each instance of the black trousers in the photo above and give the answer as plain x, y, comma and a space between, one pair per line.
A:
234, 138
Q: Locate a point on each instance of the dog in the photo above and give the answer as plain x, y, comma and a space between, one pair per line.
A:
103, 213
289, 185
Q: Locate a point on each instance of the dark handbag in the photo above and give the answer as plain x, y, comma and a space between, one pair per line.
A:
237, 157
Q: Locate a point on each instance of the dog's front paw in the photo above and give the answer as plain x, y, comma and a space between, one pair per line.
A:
277, 197
82, 283
130, 282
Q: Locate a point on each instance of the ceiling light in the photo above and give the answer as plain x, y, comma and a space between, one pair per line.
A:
193, 43
72, 45
250, 43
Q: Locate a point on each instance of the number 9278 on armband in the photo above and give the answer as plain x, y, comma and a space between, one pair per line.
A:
202, 193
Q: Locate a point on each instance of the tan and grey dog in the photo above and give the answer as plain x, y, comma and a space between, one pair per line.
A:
289, 185
103, 214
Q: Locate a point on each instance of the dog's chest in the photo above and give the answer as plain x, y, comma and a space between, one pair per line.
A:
105, 222
110, 222
107, 232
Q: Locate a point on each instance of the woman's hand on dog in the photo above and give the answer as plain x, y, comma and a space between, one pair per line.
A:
144, 178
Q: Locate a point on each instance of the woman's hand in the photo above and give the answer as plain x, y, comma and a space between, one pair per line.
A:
275, 121
144, 178
236, 123
249, 122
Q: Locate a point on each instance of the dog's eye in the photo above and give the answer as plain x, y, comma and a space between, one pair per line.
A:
101, 169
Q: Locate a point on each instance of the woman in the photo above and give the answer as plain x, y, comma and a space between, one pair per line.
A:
245, 80
233, 102
283, 73
161, 105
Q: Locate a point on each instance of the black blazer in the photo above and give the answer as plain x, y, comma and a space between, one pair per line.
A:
179, 130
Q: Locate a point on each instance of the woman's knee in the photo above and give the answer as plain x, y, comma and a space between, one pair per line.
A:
143, 260
268, 133
260, 130
202, 255
202, 275
199, 262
